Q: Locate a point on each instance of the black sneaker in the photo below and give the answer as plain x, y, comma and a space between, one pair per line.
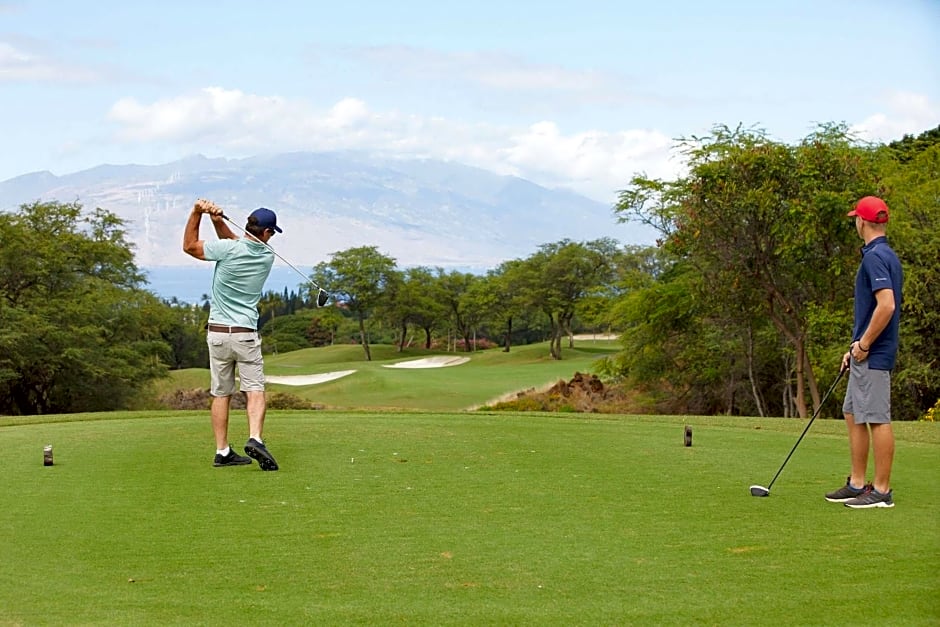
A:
232, 459
846, 492
872, 498
259, 452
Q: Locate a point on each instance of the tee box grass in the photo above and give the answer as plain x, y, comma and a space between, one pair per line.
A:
459, 518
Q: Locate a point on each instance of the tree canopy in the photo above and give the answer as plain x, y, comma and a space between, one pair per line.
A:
76, 331
758, 233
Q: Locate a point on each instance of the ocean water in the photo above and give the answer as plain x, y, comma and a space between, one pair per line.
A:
188, 283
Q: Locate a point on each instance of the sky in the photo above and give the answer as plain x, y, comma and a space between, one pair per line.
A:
580, 95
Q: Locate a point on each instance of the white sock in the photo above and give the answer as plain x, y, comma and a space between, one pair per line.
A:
224, 451
256, 438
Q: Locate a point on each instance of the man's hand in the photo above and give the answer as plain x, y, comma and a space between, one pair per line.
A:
858, 352
218, 223
207, 206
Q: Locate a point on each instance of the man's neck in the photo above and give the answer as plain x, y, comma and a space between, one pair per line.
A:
872, 236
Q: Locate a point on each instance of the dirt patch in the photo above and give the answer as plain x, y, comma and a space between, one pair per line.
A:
582, 393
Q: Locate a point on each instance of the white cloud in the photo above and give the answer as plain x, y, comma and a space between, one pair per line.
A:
501, 72
19, 65
907, 113
590, 161
596, 163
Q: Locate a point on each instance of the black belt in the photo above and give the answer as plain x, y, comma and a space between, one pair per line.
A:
221, 328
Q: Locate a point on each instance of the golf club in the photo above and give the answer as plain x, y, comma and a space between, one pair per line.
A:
757, 490
322, 294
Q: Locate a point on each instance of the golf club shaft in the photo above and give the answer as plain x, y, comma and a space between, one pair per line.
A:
808, 425
266, 245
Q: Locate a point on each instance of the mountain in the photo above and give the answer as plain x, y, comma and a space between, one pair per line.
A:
420, 212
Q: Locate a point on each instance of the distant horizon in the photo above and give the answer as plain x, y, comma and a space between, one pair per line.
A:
188, 282
420, 212
361, 154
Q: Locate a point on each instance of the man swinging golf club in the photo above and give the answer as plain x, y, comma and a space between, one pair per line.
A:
242, 265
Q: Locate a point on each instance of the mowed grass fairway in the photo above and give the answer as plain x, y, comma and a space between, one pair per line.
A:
441, 518
488, 376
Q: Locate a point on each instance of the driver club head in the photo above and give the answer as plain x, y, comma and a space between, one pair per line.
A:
759, 490
322, 297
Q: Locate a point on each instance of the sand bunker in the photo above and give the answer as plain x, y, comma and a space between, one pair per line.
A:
308, 379
431, 362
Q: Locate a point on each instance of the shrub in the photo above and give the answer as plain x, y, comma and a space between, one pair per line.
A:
933, 413
282, 400
199, 398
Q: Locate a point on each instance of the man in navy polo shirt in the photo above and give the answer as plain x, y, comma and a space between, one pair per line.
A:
870, 359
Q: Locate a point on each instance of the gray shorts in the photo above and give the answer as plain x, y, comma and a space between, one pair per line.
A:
226, 350
868, 396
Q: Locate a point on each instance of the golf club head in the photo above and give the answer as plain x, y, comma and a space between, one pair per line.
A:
322, 297
759, 490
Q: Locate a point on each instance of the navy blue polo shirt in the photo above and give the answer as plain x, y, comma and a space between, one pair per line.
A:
880, 269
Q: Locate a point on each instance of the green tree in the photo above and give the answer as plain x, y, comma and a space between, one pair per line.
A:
914, 233
184, 332
909, 146
560, 276
76, 331
360, 280
453, 287
324, 326
418, 302
268, 307
765, 224
480, 302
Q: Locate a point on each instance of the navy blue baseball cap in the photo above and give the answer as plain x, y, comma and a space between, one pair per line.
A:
265, 218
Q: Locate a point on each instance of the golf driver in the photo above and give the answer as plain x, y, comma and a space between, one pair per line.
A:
322, 294
758, 490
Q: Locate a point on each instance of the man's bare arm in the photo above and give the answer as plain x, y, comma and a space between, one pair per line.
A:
884, 309
221, 227
192, 245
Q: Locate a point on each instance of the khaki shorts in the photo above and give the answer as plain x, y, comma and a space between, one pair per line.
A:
868, 396
226, 350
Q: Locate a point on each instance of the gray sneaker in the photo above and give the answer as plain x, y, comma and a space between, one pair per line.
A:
872, 498
847, 492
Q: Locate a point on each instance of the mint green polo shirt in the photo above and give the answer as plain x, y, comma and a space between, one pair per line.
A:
241, 268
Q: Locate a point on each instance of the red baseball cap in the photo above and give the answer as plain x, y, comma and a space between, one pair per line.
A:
871, 209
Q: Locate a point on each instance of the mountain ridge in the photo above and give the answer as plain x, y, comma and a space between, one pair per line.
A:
417, 211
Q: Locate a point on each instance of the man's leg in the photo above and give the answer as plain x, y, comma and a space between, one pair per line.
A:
256, 407
859, 442
255, 447
220, 405
882, 437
